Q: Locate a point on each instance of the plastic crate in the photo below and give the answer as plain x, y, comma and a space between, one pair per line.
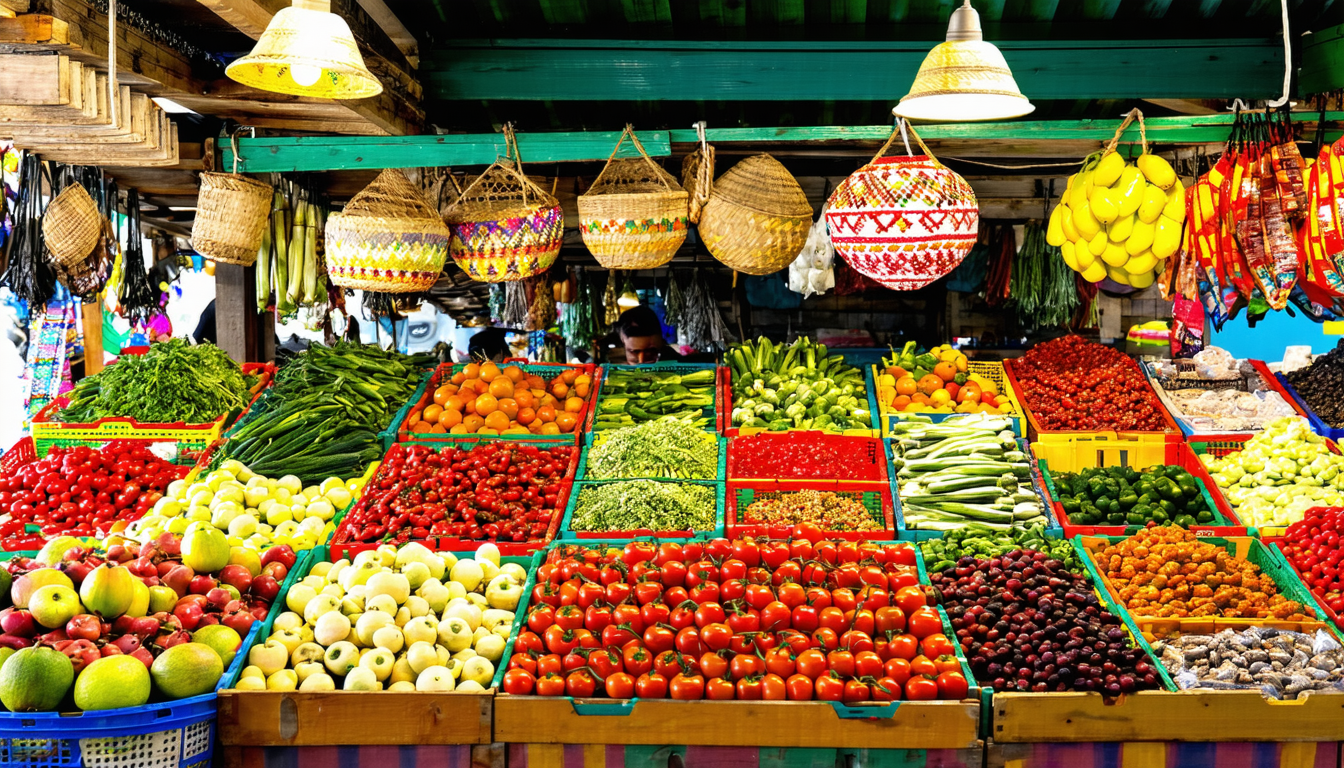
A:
608, 370
1220, 446
1225, 521
598, 437
1241, 548
1317, 425
566, 533
1318, 600
990, 370
740, 494
453, 543
445, 372
727, 429
865, 456
46, 432
1171, 433
1262, 379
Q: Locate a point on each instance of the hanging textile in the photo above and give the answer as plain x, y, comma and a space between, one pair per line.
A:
56, 334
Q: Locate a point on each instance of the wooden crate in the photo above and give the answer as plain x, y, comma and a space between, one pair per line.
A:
1165, 716
922, 725
329, 718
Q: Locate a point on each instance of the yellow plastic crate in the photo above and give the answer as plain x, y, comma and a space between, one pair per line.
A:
990, 370
1076, 451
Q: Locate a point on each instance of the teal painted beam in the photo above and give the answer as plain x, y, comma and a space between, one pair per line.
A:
1322, 61
626, 70
339, 153
329, 153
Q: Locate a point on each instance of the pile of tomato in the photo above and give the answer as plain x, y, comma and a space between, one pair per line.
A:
494, 490
81, 491
1312, 545
744, 619
1072, 383
805, 455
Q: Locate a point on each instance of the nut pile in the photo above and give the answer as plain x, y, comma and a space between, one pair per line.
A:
1281, 663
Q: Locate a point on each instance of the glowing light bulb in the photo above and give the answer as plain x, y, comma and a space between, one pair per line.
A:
305, 74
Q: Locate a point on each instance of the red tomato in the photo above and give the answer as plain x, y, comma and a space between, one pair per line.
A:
549, 663
924, 622
937, 645
921, 688
746, 665
691, 687
780, 662
551, 684
718, 689
952, 685
519, 682
716, 637
620, 685
811, 663
856, 690
749, 689
800, 687
910, 599
713, 665
867, 664
923, 665
841, 662
898, 670
651, 686
774, 688
775, 616
886, 689
636, 659
829, 687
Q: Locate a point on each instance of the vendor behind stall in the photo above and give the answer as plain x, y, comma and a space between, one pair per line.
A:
642, 336
488, 345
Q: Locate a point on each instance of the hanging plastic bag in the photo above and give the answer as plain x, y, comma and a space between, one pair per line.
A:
813, 272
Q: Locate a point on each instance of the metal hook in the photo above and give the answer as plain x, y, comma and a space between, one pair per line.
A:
1238, 106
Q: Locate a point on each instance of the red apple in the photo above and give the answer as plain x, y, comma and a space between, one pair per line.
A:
198, 600
168, 544
122, 625
202, 584
207, 620
218, 598
144, 626
179, 579
19, 623
144, 656
236, 576
14, 641
74, 553
189, 614
275, 570
110, 650
266, 587
282, 554
240, 622
163, 567
82, 653
260, 612
117, 552
84, 626
77, 571
176, 638
54, 636
127, 643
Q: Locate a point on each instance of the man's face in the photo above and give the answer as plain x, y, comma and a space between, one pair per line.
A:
642, 349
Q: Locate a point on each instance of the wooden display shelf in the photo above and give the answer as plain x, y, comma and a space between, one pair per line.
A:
921, 725
1165, 716
294, 719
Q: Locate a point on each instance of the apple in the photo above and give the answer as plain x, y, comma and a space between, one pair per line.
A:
208, 620
162, 599
201, 584
127, 643
179, 579
164, 567
236, 576
266, 587
81, 653
281, 553
240, 622
143, 655
176, 638
218, 598
84, 627
189, 614
54, 605
19, 623
77, 571
275, 570
270, 657
14, 642
144, 626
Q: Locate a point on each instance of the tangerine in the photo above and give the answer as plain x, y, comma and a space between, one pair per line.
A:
920, 398
559, 389
482, 386
906, 386
508, 406
469, 405
550, 428
413, 419
525, 398
431, 413
514, 373
450, 418
526, 416
459, 429
569, 375
900, 402
566, 421
420, 426
945, 371
501, 387
458, 377
487, 431
437, 429
473, 422
471, 370
582, 383
546, 413
489, 372
930, 384
455, 403
441, 395
486, 405
574, 404
535, 382
497, 421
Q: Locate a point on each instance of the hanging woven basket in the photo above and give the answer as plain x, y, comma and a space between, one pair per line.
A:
903, 221
388, 239
757, 217
504, 226
231, 214
71, 226
697, 175
634, 216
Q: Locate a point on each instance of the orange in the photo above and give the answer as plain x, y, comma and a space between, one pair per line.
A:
486, 405
920, 398
900, 402
468, 386
473, 422
970, 391
569, 375
515, 431
482, 386
487, 431
450, 418
566, 421
930, 384
525, 398
535, 427
497, 421
413, 419
460, 429
421, 426
431, 413
508, 406
945, 371
582, 383
546, 413
906, 385
550, 429
451, 388
441, 395
539, 394
574, 404
489, 372
514, 373
559, 389
471, 370
535, 382
454, 403
501, 387
437, 429
897, 372
526, 416
469, 405
459, 377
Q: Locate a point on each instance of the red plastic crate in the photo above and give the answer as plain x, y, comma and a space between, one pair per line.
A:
1276, 543
734, 512
1035, 432
342, 548
867, 456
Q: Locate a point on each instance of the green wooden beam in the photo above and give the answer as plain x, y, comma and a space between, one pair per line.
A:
628, 70
328, 153
1322, 61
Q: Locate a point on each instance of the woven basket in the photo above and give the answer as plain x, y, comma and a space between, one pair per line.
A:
697, 175
71, 226
757, 218
903, 221
231, 214
504, 226
388, 239
634, 216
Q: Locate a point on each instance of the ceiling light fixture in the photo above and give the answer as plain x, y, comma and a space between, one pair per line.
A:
307, 50
964, 79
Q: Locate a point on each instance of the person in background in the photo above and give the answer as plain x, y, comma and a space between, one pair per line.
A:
642, 336
205, 328
488, 345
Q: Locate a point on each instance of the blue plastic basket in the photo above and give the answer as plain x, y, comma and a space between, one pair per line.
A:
1317, 426
570, 536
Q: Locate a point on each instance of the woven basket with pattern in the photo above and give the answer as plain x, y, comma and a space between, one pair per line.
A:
635, 214
504, 226
388, 239
71, 226
231, 214
757, 217
903, 221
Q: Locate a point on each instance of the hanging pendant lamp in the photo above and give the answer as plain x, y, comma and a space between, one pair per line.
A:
307, 50
964, 79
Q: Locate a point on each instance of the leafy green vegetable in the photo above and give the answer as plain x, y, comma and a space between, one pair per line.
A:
644, 505
173, 381
667, 447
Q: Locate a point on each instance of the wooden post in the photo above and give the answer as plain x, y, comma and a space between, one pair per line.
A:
240, 331
93, 336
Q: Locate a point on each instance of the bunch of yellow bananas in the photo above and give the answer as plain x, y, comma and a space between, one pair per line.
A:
1119, 220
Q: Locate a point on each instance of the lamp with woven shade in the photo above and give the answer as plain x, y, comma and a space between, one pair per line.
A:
964, 79
307, 50
387, 239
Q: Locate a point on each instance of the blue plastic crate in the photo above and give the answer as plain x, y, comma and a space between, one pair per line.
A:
570, 536
1317, 426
